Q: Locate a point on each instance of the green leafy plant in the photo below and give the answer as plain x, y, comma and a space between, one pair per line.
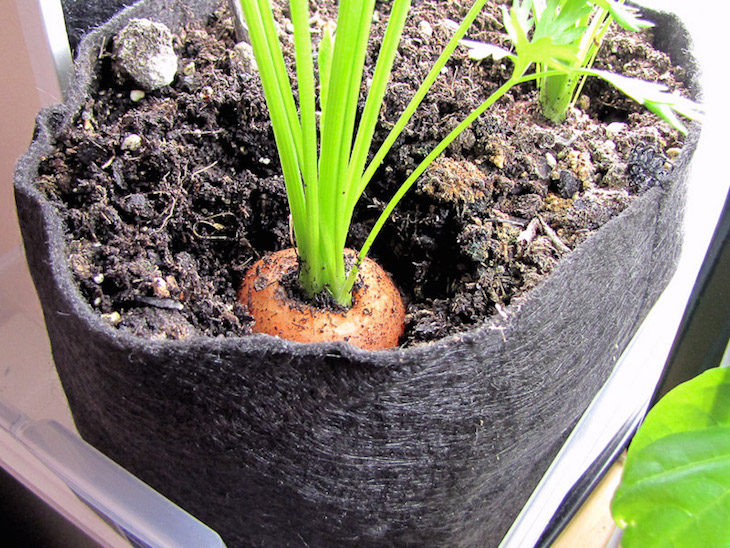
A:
565, 35
675, 489
324, 162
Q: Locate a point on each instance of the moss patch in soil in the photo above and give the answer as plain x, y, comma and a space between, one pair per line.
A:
168, 198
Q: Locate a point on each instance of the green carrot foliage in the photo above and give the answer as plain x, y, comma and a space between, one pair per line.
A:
325, 162
565, 35
324, 158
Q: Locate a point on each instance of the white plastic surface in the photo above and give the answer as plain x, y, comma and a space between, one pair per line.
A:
141, 513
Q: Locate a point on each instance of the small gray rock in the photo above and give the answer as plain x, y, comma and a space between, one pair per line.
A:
143, 52
568, 184
243, 59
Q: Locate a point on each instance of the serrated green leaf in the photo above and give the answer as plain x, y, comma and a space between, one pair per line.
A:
564, 23
482, 50
538, 6
544, 51
518, 23
653, 96
675, 490
626, 16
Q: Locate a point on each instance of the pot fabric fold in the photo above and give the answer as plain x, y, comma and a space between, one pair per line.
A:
275, 443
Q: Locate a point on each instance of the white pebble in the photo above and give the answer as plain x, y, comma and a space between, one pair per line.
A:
113, 317
425, 28
550, 159
132, 142
614, 128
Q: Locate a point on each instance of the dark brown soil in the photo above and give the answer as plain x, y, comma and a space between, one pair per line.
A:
160, 235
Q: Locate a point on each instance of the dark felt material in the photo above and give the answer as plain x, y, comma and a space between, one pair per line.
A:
275, 443
84, 15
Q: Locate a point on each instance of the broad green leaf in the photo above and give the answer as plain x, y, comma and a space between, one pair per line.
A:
701, 402
675, 490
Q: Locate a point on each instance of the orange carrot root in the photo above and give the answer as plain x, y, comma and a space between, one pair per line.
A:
374, 322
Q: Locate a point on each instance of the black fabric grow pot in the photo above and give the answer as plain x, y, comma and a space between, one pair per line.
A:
275, 443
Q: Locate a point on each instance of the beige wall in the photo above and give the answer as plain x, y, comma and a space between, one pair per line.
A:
20, 101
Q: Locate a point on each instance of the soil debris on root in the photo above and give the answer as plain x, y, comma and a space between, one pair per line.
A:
169, 195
